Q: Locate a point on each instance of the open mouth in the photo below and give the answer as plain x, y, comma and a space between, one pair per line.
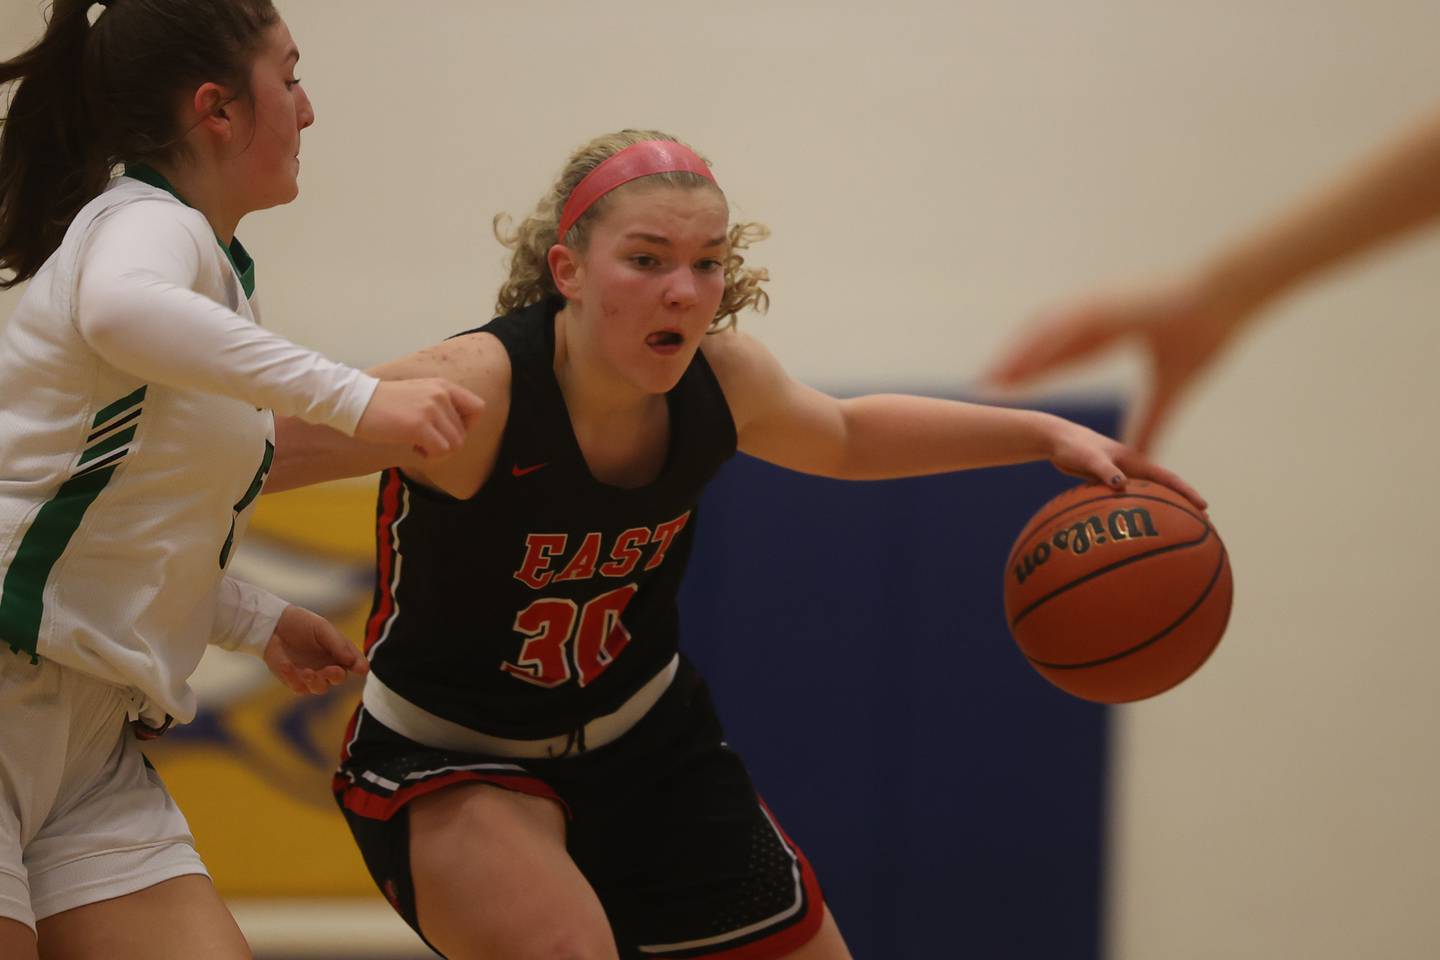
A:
664, 338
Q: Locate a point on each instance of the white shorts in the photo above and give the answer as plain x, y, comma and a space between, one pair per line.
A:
83, 817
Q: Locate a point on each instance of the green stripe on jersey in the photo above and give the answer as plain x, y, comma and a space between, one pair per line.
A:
256, 485
119, 407
105, 446
244, 265
22, 598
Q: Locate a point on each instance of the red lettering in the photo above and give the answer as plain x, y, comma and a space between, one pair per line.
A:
626, 553
582, 565
601, 636
542, 658
540, 550
665, 534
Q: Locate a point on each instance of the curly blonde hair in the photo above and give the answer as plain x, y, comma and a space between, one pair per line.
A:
529, 243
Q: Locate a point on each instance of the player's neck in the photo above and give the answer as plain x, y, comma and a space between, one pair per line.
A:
592, 389
205, 190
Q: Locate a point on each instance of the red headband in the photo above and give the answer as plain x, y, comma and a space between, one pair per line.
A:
632, 163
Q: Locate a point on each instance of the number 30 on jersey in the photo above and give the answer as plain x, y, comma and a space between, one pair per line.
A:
593, 635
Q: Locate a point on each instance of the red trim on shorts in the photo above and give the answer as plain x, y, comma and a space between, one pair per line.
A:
793, 937
362, 802
385, 557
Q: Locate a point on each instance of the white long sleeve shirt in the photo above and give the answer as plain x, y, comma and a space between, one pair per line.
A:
136, 389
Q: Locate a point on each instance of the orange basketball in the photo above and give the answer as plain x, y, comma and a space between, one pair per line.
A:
1117, 596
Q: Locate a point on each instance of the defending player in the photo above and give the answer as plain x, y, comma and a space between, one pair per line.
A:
525, 631
1187, 321
135, 432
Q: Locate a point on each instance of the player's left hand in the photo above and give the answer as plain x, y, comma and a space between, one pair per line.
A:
308, 654
1081, 452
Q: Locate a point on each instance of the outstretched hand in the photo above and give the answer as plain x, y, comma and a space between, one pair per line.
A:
1181, 328
1081, 452
308, 654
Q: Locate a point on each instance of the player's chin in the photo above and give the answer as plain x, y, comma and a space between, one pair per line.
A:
285, 188
656, 386
663, 374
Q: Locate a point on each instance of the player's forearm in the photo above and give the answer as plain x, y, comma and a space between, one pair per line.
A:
903, 436
1388, 195
156, 329
306, 453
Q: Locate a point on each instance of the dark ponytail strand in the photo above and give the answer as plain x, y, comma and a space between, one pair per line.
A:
51, 163
90, 97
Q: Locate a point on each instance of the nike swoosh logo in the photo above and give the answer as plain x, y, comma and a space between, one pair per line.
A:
519, 471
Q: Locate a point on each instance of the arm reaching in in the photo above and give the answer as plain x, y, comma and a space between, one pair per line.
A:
1185, 323
136, 309
475, 368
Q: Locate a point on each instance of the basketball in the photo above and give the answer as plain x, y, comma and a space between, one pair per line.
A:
1115, 596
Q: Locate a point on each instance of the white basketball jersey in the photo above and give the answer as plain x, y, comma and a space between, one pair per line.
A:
122, 496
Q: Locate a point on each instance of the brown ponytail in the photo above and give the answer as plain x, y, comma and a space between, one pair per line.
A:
49, 165
90, 97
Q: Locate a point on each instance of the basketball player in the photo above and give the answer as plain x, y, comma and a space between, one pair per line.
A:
535, 771
1186, 322
135, 433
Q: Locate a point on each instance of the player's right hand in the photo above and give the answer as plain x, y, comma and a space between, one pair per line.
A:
430, 414
1180, 325
1081, 452
307, 653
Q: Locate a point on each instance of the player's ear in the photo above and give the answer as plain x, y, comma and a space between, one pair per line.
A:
566, 269
210, 111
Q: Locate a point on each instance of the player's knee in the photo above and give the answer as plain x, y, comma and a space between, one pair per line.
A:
562, 941
574, 944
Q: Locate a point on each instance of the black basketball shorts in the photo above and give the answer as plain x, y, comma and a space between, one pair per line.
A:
663, 822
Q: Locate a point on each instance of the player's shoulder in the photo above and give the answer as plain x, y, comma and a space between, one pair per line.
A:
478, 362
476, 351
749, 375
475, 360
124, 197
141, 210
737, 357
728, 347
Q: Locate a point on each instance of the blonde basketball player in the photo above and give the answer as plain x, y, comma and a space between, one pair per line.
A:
537, 772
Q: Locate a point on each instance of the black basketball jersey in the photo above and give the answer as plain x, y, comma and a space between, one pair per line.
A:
548, 598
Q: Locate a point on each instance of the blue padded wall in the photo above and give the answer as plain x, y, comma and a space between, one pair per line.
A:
951, 800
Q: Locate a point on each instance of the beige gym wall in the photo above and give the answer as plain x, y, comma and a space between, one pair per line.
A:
933, 173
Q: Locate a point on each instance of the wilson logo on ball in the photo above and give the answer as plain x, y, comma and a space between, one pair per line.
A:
1128, 524
1117, 595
